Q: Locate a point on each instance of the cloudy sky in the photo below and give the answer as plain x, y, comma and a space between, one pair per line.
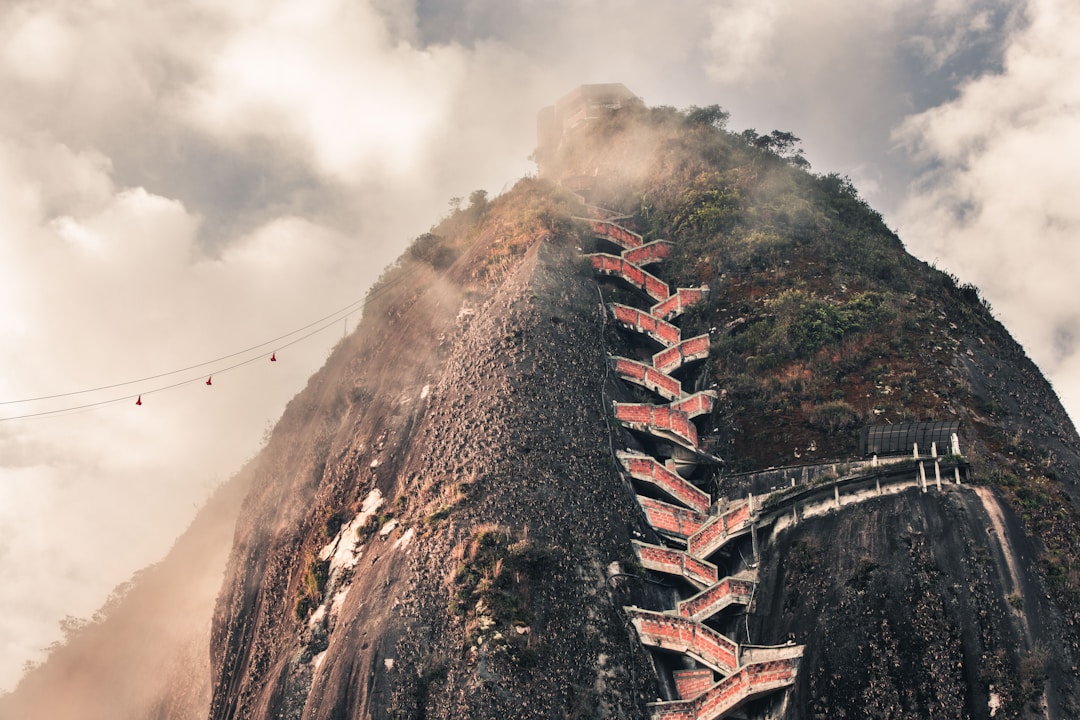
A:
186, 179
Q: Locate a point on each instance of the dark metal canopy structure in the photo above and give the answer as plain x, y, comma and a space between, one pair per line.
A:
901, 438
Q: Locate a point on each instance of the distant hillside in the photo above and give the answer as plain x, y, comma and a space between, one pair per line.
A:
145, 654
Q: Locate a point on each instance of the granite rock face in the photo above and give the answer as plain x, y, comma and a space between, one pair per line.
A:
462, 498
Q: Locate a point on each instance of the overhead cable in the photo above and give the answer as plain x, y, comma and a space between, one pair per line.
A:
321, 324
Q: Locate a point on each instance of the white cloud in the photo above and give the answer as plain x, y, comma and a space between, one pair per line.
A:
330, 75
742, 36
999, 206
38, 46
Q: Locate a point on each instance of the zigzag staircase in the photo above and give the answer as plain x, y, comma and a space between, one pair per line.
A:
728, 674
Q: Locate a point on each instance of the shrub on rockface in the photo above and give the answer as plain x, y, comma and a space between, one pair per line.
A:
312, 587
491, 589
710, 206
833, 417
433, 250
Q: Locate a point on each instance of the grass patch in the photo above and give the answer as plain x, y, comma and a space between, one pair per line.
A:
312, 587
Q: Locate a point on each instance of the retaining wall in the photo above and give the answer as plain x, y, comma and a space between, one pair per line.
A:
671, 519
691, 683
679, 634
675, 562
612, 232
749, 682
678, 301
673, 358
713, 599
677, 710
700, 403
647, 376
657, 420
616, 266
649, 253
646, 469
642, 322
595, 212
889, 478
716, 533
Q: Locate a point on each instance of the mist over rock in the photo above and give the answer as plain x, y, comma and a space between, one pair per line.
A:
144, 654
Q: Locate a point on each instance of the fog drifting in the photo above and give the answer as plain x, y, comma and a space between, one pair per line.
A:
184, 179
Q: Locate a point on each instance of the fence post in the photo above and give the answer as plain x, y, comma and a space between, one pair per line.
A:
753, 540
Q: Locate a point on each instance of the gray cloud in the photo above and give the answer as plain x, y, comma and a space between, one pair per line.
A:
182, 179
